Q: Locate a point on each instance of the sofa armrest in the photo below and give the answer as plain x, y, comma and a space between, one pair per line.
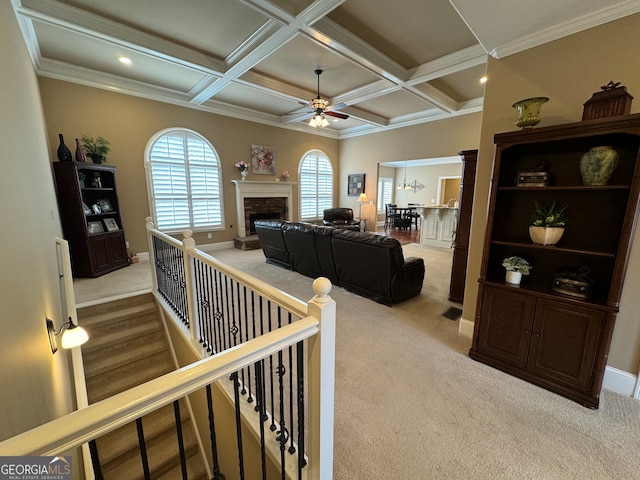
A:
407, 282
412, 262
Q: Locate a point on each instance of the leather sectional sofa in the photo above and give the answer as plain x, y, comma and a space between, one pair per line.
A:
370, 265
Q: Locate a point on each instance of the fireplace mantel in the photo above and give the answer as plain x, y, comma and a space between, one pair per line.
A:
252, 189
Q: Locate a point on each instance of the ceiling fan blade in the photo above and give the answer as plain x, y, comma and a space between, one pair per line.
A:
337, 106
336, 114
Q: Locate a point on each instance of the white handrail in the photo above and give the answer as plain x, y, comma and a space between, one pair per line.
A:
61, 435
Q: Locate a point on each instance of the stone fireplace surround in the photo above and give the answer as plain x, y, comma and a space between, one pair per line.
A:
261, 197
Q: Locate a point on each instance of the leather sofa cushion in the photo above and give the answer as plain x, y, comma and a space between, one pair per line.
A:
272, 239
301, 242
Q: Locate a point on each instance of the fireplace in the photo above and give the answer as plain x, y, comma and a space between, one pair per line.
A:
254, 198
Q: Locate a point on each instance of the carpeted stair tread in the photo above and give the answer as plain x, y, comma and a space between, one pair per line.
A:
128, 376
97, 362
162, 451
114, 320
132, 332
128, 347
195, 470
117, 443
115, 305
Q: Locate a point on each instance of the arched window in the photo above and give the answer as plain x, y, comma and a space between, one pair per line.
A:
184, 182
316, 185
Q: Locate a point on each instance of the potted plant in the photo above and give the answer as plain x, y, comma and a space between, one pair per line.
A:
547, 223
96, 149
516, 267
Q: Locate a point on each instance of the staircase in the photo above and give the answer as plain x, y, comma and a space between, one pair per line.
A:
127, 347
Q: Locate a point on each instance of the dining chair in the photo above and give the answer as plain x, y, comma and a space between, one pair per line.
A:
390, 215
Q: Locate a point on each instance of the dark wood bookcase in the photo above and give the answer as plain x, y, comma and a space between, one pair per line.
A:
90, 214
557, 341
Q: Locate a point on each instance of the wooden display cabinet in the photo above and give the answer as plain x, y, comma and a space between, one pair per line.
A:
91, 220
557, 341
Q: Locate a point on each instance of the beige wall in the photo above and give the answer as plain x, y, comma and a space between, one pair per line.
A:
568, 71
129, 122
429, 140
36, 385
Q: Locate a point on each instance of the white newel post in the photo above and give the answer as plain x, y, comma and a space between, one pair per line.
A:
152, 254
189, 245
321, 359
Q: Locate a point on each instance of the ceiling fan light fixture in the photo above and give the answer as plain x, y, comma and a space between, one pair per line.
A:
318, 121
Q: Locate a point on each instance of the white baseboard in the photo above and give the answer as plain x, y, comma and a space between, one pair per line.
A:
210, 247
466, 328
619, 381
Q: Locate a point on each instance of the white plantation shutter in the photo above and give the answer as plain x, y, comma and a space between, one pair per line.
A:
316, 185
385, 189
185, 182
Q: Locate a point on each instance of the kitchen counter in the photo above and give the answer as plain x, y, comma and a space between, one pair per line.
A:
438, 225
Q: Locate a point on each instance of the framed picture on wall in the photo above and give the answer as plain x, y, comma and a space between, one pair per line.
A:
263, 160
355, 184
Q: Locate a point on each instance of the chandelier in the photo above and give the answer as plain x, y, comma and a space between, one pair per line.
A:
404, 185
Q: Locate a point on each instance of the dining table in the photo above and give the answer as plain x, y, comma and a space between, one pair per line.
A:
404, 218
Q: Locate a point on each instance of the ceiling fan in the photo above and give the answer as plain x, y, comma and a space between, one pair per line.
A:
321, 108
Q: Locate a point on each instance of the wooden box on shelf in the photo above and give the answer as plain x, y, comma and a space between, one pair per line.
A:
612, 101
90, 215
557, 341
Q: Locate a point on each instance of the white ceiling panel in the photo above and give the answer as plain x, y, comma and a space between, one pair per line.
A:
102, 56
389, 63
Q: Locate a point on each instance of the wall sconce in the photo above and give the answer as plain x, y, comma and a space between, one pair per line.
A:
72, 335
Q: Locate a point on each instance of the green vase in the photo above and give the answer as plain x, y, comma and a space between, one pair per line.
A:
597, 165
529, 111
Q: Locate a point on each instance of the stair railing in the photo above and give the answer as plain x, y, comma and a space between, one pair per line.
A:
218, 307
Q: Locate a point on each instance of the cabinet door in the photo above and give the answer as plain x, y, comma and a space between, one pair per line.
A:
117, 249
565, 342
99, 253
505, 329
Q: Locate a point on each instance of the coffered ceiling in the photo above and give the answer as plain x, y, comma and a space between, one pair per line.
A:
391, 63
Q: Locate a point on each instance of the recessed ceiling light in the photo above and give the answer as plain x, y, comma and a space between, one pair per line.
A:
483, 79
125, 60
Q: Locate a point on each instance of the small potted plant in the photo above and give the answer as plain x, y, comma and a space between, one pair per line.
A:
96, 149
547, 223
516, 267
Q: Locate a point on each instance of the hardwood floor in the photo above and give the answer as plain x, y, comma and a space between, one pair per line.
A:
402, 235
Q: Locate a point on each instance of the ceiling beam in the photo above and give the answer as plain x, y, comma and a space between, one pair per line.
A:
282, 30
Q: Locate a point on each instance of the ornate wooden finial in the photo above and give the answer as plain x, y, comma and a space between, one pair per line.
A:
610, 86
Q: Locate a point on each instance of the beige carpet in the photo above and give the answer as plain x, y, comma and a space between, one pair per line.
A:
410, 404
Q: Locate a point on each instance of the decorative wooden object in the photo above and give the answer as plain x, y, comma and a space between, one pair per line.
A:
612, 101
90, 214
557, 341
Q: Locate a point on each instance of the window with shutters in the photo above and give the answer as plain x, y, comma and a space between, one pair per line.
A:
385, 190
315, 174
184, 182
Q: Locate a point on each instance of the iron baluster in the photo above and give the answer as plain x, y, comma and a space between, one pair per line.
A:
183, 457
143, 449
